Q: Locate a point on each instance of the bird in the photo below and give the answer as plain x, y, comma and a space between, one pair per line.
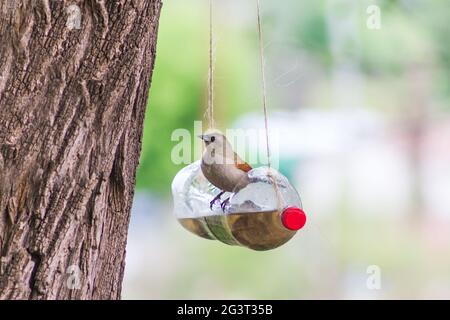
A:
223, 167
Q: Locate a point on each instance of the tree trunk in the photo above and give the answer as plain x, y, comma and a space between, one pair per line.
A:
72, 102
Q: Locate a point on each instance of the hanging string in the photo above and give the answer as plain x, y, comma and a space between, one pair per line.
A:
280, 198
211, 69
264, 90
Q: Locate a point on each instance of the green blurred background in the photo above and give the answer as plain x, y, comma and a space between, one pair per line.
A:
363, 117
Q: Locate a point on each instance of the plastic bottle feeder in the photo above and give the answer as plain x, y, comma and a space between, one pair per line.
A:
260, 216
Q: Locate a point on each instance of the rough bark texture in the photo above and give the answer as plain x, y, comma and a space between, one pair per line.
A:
72, 105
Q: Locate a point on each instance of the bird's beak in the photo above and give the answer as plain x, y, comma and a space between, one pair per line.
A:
204, 137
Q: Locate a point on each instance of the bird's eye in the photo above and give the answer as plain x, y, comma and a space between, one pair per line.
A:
213, 139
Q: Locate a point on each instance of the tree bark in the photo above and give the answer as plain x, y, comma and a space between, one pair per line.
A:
72, 104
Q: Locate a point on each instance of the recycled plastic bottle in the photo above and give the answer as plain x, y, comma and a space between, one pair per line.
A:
261, 216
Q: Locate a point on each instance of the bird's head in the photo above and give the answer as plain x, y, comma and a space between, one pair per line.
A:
214, 138
218, 149
217, 146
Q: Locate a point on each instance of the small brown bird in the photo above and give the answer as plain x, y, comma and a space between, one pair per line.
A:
222, 166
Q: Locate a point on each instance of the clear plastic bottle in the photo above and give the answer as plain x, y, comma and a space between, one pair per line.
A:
259, 216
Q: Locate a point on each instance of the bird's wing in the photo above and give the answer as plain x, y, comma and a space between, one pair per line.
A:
244, 167
241, 164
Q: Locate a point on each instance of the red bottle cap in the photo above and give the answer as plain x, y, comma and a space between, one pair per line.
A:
293, 218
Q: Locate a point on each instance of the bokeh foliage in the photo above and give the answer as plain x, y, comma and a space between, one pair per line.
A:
414, 33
